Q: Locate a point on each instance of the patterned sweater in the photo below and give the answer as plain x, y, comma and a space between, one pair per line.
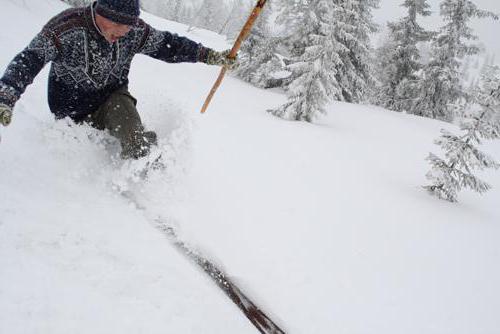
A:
86, 69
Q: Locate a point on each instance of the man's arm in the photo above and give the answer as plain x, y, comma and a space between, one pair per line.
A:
25, 67
171, 48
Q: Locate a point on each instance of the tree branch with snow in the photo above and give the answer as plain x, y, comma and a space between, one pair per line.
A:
481, 120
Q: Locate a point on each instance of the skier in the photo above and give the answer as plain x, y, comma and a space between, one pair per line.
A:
91, 50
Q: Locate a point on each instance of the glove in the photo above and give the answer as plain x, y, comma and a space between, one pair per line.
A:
222, 59
5, 114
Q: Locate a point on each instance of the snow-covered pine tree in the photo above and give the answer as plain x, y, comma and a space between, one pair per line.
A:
176, 10
290, 19
258, 59
353, 26
400, 62
271, 72
237, 16
383, 68
441, 85
163, 9
78, 3
211, 15
481, 120
313, 70
185, 15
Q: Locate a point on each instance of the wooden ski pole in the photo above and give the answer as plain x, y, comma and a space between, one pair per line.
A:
234, 51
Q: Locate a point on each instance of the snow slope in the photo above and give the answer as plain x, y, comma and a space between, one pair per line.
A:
324, 224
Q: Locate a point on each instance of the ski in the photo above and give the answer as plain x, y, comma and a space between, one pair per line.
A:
257, 317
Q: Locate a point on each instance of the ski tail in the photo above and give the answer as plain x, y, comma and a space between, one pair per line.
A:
256, 316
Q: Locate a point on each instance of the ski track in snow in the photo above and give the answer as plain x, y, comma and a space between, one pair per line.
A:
325, 225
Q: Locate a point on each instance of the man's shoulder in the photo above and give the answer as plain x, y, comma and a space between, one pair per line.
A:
69, 19
141, 26
140, 33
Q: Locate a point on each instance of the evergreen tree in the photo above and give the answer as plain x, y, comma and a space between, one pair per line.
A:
177, 10
211, 15
258, 60
313, 71
237, 16
481, 120
185, 14
171, 10
353, 26
291, 18
383, 66
78, 3
163, 9
401, 61
270, 73
441, 85
329, 49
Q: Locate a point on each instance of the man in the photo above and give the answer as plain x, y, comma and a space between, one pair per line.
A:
91, 50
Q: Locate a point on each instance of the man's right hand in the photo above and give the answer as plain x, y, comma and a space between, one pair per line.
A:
222, 59
5, 114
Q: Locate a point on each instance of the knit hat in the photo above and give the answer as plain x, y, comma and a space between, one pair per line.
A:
119, 11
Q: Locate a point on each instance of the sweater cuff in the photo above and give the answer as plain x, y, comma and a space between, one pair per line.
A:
7, 95
203, 54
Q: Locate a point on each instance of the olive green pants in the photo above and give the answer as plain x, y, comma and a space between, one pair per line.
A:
119, 116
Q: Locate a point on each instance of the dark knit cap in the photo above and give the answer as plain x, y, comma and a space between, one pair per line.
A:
119, 11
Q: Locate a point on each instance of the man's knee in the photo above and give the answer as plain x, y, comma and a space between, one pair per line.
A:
120, 116
118, 111
121, 111
139, 144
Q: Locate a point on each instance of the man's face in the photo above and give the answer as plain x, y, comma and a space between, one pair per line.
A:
112, 31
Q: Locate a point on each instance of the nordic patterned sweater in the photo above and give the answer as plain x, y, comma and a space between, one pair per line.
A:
86, 69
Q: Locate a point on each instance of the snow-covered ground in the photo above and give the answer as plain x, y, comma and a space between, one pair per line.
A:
324, 225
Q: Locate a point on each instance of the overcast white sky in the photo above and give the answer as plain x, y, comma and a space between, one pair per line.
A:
487, 29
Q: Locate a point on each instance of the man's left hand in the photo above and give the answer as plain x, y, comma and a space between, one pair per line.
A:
222, 59
5, 114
